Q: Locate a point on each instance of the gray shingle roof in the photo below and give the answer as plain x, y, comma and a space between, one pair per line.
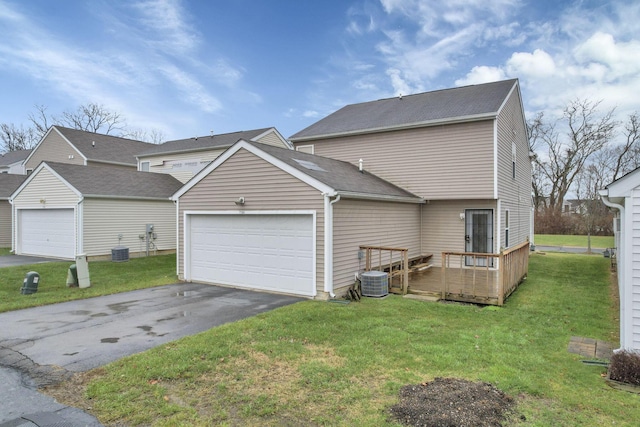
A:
116, 182
412, 110
12, 157
341, 176
111, 149
223, 140
9, 183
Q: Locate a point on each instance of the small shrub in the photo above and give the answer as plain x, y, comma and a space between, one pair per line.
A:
625, 367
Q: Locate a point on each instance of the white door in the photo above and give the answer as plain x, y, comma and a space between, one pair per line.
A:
47, 232
259, 251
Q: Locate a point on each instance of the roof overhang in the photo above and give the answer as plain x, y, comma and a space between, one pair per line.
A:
380, 197
429, 123
190, 150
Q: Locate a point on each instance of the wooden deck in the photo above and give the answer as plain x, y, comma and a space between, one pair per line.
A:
466, 285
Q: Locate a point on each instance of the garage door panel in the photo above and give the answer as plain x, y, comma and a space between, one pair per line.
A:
270, 252
47, 232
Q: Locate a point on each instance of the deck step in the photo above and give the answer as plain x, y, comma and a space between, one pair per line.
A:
420, 267
430, 298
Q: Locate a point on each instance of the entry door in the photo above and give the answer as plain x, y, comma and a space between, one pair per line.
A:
479, 235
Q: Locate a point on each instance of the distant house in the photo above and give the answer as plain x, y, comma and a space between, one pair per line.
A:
62, 210
8, 184
183, 158
623, 195
12, 162
78, 147
464, 150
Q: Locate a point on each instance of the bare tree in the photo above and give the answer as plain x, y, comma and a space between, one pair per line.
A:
154, 136
17, 138
561, 156
594, 216
93, 118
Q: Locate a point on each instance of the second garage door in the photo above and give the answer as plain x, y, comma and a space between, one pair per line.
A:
258, 251
47, 232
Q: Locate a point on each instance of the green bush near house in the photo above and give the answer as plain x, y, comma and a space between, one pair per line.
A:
106, 278
319, 363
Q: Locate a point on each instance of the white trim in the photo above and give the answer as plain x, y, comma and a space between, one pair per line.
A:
35, 173
187, 243
381, 197
242, 144
495, 158
177, 204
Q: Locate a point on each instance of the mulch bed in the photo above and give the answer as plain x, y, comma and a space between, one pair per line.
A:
446, 402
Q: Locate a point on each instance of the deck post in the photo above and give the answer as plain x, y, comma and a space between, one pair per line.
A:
501, 276
405, 260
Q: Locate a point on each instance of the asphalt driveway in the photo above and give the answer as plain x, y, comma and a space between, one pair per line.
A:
13, 260
46, 344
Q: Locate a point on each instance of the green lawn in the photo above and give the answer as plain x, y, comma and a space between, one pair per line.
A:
319, 363
106, 278
5, 251
579, 241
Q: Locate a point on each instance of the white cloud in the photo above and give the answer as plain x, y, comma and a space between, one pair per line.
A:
167, 21
311, 114
537, 65
482, 74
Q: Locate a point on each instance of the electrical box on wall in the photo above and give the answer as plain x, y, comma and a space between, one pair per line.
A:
149, 228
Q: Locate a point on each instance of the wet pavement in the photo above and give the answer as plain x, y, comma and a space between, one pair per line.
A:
13, 260
45, 345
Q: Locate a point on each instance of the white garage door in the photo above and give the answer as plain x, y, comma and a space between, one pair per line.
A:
268, 252
47, 232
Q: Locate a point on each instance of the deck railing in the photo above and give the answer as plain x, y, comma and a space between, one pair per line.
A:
393, 260
482, 277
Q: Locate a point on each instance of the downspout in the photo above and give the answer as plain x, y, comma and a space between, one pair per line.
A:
177, 204
604, 195
80, 226
328, 243
13, 227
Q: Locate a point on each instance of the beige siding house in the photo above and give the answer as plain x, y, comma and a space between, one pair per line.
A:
279, 220
77, 147
12, 162
623, 195
184, 158
62, 210
8, 184
463, 150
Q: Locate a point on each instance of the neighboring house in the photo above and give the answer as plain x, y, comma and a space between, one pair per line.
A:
464, 150
623, 195
12, 162
62, 210
8, 184
78, 147
184, 158
275, 219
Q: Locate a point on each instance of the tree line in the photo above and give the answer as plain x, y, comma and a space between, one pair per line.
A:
89, 117
580, 153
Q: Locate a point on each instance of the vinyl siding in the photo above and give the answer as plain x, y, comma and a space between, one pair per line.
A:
54, 148
264, 187
271, 139
46, 186
359, 222
164, 163
104, 219
514, 194
452, 161
5, 224
442, 228
635, 268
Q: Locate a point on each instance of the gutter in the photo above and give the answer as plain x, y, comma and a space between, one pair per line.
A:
108, 196
604, 195
381, 197
328, 243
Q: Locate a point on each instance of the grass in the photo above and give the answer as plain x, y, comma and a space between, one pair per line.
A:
318, 363
5, 251
578, 241
106, 278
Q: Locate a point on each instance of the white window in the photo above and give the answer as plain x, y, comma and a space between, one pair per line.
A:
513, 160
305, 148
144, 166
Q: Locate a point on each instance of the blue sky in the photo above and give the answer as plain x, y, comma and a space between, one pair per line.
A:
188, 67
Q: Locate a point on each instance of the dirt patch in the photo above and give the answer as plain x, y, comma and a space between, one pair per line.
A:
452, 402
